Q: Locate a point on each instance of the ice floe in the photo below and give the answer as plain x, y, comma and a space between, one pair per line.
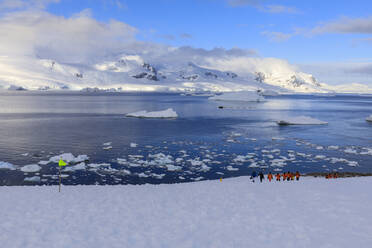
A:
34, 179
80, 166
168, 113
301, 120
69, 158
230, 168
30, 168
6, 166
369, 118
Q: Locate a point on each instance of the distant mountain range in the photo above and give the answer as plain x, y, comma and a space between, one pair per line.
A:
133, 73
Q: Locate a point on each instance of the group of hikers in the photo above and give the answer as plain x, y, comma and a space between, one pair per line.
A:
286, 176
331, 175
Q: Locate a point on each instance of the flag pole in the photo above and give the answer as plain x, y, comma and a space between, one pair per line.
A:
59, 179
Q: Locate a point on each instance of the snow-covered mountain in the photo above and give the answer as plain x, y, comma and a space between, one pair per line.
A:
133, 73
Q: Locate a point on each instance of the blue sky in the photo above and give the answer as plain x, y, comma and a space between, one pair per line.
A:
281, 29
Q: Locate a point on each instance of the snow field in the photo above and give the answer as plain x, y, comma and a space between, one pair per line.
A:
232, 213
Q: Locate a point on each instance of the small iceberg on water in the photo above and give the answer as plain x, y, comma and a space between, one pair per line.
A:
168, 113
300, 120
369, 118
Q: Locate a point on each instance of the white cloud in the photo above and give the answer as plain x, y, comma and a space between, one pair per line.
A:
280, 9
260, 5
277, 36
38, 33
345, 25
25, 4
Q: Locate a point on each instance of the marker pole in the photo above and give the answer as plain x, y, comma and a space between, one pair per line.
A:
59, 178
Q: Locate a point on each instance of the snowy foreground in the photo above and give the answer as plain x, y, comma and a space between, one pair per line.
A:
232, 213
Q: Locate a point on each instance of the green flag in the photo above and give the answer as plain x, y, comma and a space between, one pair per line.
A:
62, 163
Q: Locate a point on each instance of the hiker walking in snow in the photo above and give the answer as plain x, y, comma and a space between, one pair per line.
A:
277, 177
284, 176
297, 175
262, 177
288, 176
253, 175
270, 176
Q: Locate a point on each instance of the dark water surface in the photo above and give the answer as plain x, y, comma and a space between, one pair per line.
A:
203, 143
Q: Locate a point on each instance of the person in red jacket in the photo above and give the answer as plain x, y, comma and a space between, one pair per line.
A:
277, 177
284, 176
270, 176
297, 175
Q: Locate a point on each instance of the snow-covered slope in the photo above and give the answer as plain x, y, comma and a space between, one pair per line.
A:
310, 213
133, 73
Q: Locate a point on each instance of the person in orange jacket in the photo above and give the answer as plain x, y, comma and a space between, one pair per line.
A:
297, 175
277, 177
284, 176
292, 176
289, 176
270, 176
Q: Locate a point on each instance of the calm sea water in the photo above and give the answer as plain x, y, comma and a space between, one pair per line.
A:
205, 142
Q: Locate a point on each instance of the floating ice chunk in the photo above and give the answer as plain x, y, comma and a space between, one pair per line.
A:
320, 157
240, 159
25, 154
125, 172
133, 145
122, 161
159, 176
34, 179
179, 160
168, 113
369, 118
94, 165
333, 147
204, 168
69, 158
80, 166
31, 168
353, 163
160, 159
107, 148
246, 96
366, 151
351, 151
171, 167
107, 144
142, 175
301, 120
319, 148
277, 163
253, 165
6, 166
230, 168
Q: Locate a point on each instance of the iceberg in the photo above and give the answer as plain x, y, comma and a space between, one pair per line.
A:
369, 118
300, 120
168, 113
6, 166
245, 96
